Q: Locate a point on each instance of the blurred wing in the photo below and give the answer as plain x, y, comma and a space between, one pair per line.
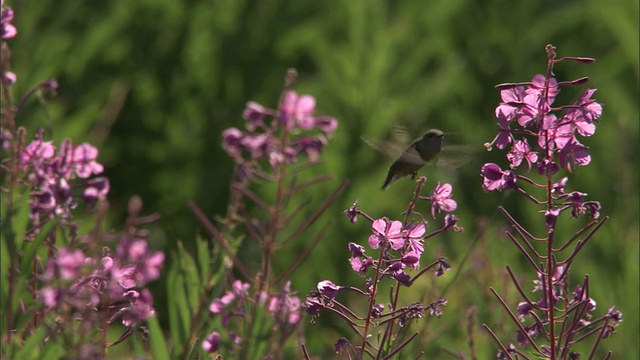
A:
454, 156
400, 135
394, 147
391, 149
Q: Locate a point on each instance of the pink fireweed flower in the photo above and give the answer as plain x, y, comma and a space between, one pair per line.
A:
411, 259
212, 342
7, 30
329, 289
84, 159
36, 152
358, 260
232, 139
255, 113
573, 152
589, 111
504, 136
239, 291
441, 199
285, 306
69, 262
385, 231
298, 109
521, 151
97, 189
495, 178
140, 309
414, 237
327, 124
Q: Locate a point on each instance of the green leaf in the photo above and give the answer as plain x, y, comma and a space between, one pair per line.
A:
30, 347
177, 307
158, 345
32, 247
204, 259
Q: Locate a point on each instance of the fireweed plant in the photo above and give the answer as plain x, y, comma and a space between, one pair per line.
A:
256, 311
394, 256
543, 139
63, 289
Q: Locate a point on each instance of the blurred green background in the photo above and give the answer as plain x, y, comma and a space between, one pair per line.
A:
153, 83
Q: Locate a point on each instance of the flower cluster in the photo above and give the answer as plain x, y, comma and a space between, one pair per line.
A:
526, 111
261, 140
102, 289
400, 246
525, 117
284, 307
53, 173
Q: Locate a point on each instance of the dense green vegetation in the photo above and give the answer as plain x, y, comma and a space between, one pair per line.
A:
153, 83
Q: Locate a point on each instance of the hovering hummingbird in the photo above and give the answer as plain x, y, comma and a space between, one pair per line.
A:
408, 160
417, 155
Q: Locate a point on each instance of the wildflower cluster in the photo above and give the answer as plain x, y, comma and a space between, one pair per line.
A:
51, 173
400, 246
64, 286
263, 138
264, 306
546, 138
101, 289
284, 308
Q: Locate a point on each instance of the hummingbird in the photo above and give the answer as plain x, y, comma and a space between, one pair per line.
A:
417, 155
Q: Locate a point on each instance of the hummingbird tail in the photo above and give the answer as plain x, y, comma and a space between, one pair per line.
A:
387, 182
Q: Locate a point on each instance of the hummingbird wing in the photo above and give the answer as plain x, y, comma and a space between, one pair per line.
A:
395, 146
389, 148
455, 156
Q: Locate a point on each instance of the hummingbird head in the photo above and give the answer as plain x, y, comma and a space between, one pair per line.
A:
430, 144
433, 134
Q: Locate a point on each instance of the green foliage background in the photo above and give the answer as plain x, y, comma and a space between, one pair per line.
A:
153, 83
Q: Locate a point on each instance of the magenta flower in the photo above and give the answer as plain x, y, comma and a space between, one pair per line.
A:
441, 199
494, 178
414, 237
97, 189
329, 289
311, 146
352, 213
521, 151
6, 29
140, 309
327, 124
212, 342
386, 232
84, 159
588, 112
298, 109
36, 152
573, 152
284, 306
232, 141
255, 113
504, 136
69, 262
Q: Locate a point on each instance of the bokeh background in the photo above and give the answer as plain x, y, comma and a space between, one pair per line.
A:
153, 83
